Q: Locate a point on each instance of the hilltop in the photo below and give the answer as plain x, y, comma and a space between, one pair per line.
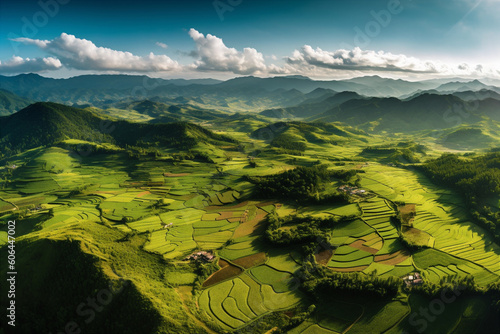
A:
297, 135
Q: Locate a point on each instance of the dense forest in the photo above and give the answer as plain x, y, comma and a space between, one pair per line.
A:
300, 229
477, 178
325, 282
304, 184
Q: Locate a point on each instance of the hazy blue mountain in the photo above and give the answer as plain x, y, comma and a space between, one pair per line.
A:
10, 103
304, 109
483, 94
426, 111
457, 86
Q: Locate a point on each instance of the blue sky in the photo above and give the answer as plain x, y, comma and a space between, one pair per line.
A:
227, 38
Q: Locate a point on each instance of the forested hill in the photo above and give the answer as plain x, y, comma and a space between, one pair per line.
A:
46, 123
296, 136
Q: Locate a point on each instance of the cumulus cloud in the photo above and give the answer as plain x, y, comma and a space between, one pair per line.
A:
360, 60
162, 45
83, 54
25, 65
214, 55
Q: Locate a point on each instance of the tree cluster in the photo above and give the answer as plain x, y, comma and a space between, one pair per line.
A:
303, 184
326, 283
303, 230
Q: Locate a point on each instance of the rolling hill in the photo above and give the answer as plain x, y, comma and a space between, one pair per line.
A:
466, 138
46, 123
297, 135
166, 113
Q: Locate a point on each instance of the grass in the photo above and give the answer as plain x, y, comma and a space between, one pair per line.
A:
455, 315
44, 253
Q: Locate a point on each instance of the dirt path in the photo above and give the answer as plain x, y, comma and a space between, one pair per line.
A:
184, 293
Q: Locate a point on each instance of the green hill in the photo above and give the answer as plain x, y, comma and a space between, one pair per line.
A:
402, 152
66, 276
163, 112
467, 138
46, 123
296, 135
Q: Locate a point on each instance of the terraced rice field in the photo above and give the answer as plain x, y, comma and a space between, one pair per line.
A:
439, 214
371, 242
184, 209
233, 303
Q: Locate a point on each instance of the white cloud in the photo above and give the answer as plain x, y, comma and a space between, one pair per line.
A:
214, 55
82, 54
25, 65
162, 45
360, 60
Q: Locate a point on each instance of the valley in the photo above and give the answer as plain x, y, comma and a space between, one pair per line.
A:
305, 215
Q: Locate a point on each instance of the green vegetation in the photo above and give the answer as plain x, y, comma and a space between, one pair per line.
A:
301, 183
47, 123
477, 178
402, 152
240, 224
326, 283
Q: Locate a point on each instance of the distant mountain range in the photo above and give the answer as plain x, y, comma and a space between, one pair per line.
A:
422, 111
426, 111
357, 102
234, 95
